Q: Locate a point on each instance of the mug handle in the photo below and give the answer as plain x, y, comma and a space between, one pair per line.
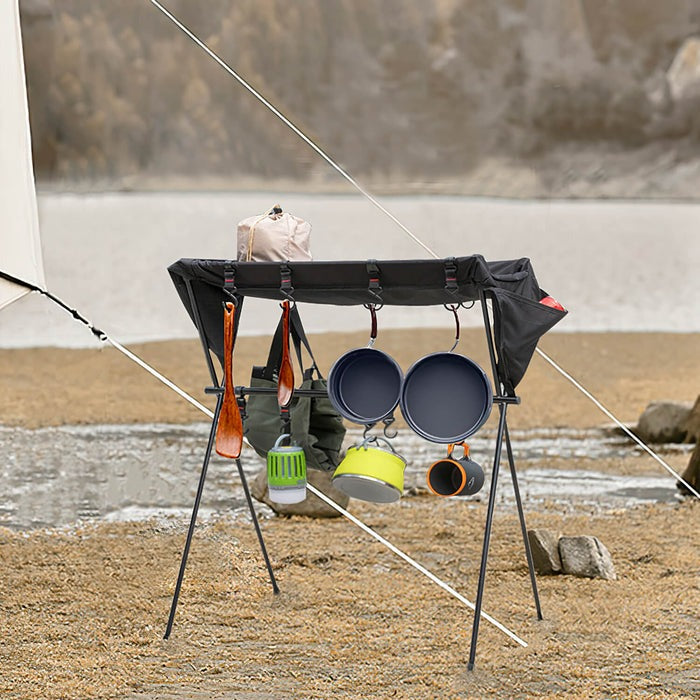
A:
451, 447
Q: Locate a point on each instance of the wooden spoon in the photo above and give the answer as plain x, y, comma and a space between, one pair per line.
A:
285, 381
229, 432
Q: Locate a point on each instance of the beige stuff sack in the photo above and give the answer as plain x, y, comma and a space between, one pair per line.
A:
274, 236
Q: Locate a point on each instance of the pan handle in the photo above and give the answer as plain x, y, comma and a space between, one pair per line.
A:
373, 308
454, 308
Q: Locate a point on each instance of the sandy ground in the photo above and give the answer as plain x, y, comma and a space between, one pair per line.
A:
83, 611
55, 386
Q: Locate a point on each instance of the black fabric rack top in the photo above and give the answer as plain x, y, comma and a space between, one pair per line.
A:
519, 319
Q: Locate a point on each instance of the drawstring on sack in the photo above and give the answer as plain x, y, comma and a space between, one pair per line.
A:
275, 211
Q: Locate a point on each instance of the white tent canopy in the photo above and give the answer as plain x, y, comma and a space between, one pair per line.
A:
20, 247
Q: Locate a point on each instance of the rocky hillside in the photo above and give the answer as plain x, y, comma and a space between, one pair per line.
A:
519, 97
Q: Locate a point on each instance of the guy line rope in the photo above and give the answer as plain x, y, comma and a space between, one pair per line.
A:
404, 228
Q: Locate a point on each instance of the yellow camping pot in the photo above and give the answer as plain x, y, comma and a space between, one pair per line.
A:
371, 473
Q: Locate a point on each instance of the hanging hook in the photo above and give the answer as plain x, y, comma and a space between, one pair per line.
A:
290, 299
454, 308
387, 424
368, 438
286, 286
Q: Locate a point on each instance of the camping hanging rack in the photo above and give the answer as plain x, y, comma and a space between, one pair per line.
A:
511, 286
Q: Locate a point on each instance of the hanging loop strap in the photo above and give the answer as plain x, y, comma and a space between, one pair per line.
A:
230, 282
374, 286
454, 308
451, 285
286, 288
299, 338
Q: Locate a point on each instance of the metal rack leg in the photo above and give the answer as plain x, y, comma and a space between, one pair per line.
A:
487, 536
193, 519
523, 527
253, 515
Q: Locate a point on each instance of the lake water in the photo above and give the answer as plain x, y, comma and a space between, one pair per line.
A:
56, 477
615, 265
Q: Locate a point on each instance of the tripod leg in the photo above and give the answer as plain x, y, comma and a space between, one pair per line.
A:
487, 536
258, 531
523, 527
193, 519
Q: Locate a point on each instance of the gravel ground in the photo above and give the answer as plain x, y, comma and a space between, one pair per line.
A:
84, 611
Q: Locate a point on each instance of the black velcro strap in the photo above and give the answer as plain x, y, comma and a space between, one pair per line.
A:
374, 285
274, 357
286, 281
230, 279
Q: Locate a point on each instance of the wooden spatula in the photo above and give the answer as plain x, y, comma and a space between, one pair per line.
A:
229, 433
285, 380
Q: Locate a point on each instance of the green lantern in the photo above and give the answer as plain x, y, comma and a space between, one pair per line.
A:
286, 472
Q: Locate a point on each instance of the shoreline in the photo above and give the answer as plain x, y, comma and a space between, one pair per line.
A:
283, 187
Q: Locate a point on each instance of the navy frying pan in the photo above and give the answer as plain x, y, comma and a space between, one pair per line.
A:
364, 385
446, 397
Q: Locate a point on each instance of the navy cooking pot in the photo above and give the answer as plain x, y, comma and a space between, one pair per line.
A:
364, 385
446, 397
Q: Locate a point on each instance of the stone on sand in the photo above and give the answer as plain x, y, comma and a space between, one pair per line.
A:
544, 545
586, 556
663, 421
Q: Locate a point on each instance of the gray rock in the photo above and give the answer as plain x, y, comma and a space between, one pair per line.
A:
312, 506
663, 421
684, 73
545, 551
586, 556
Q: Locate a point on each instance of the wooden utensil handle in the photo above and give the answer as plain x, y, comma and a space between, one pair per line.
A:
229, 432
285, 380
